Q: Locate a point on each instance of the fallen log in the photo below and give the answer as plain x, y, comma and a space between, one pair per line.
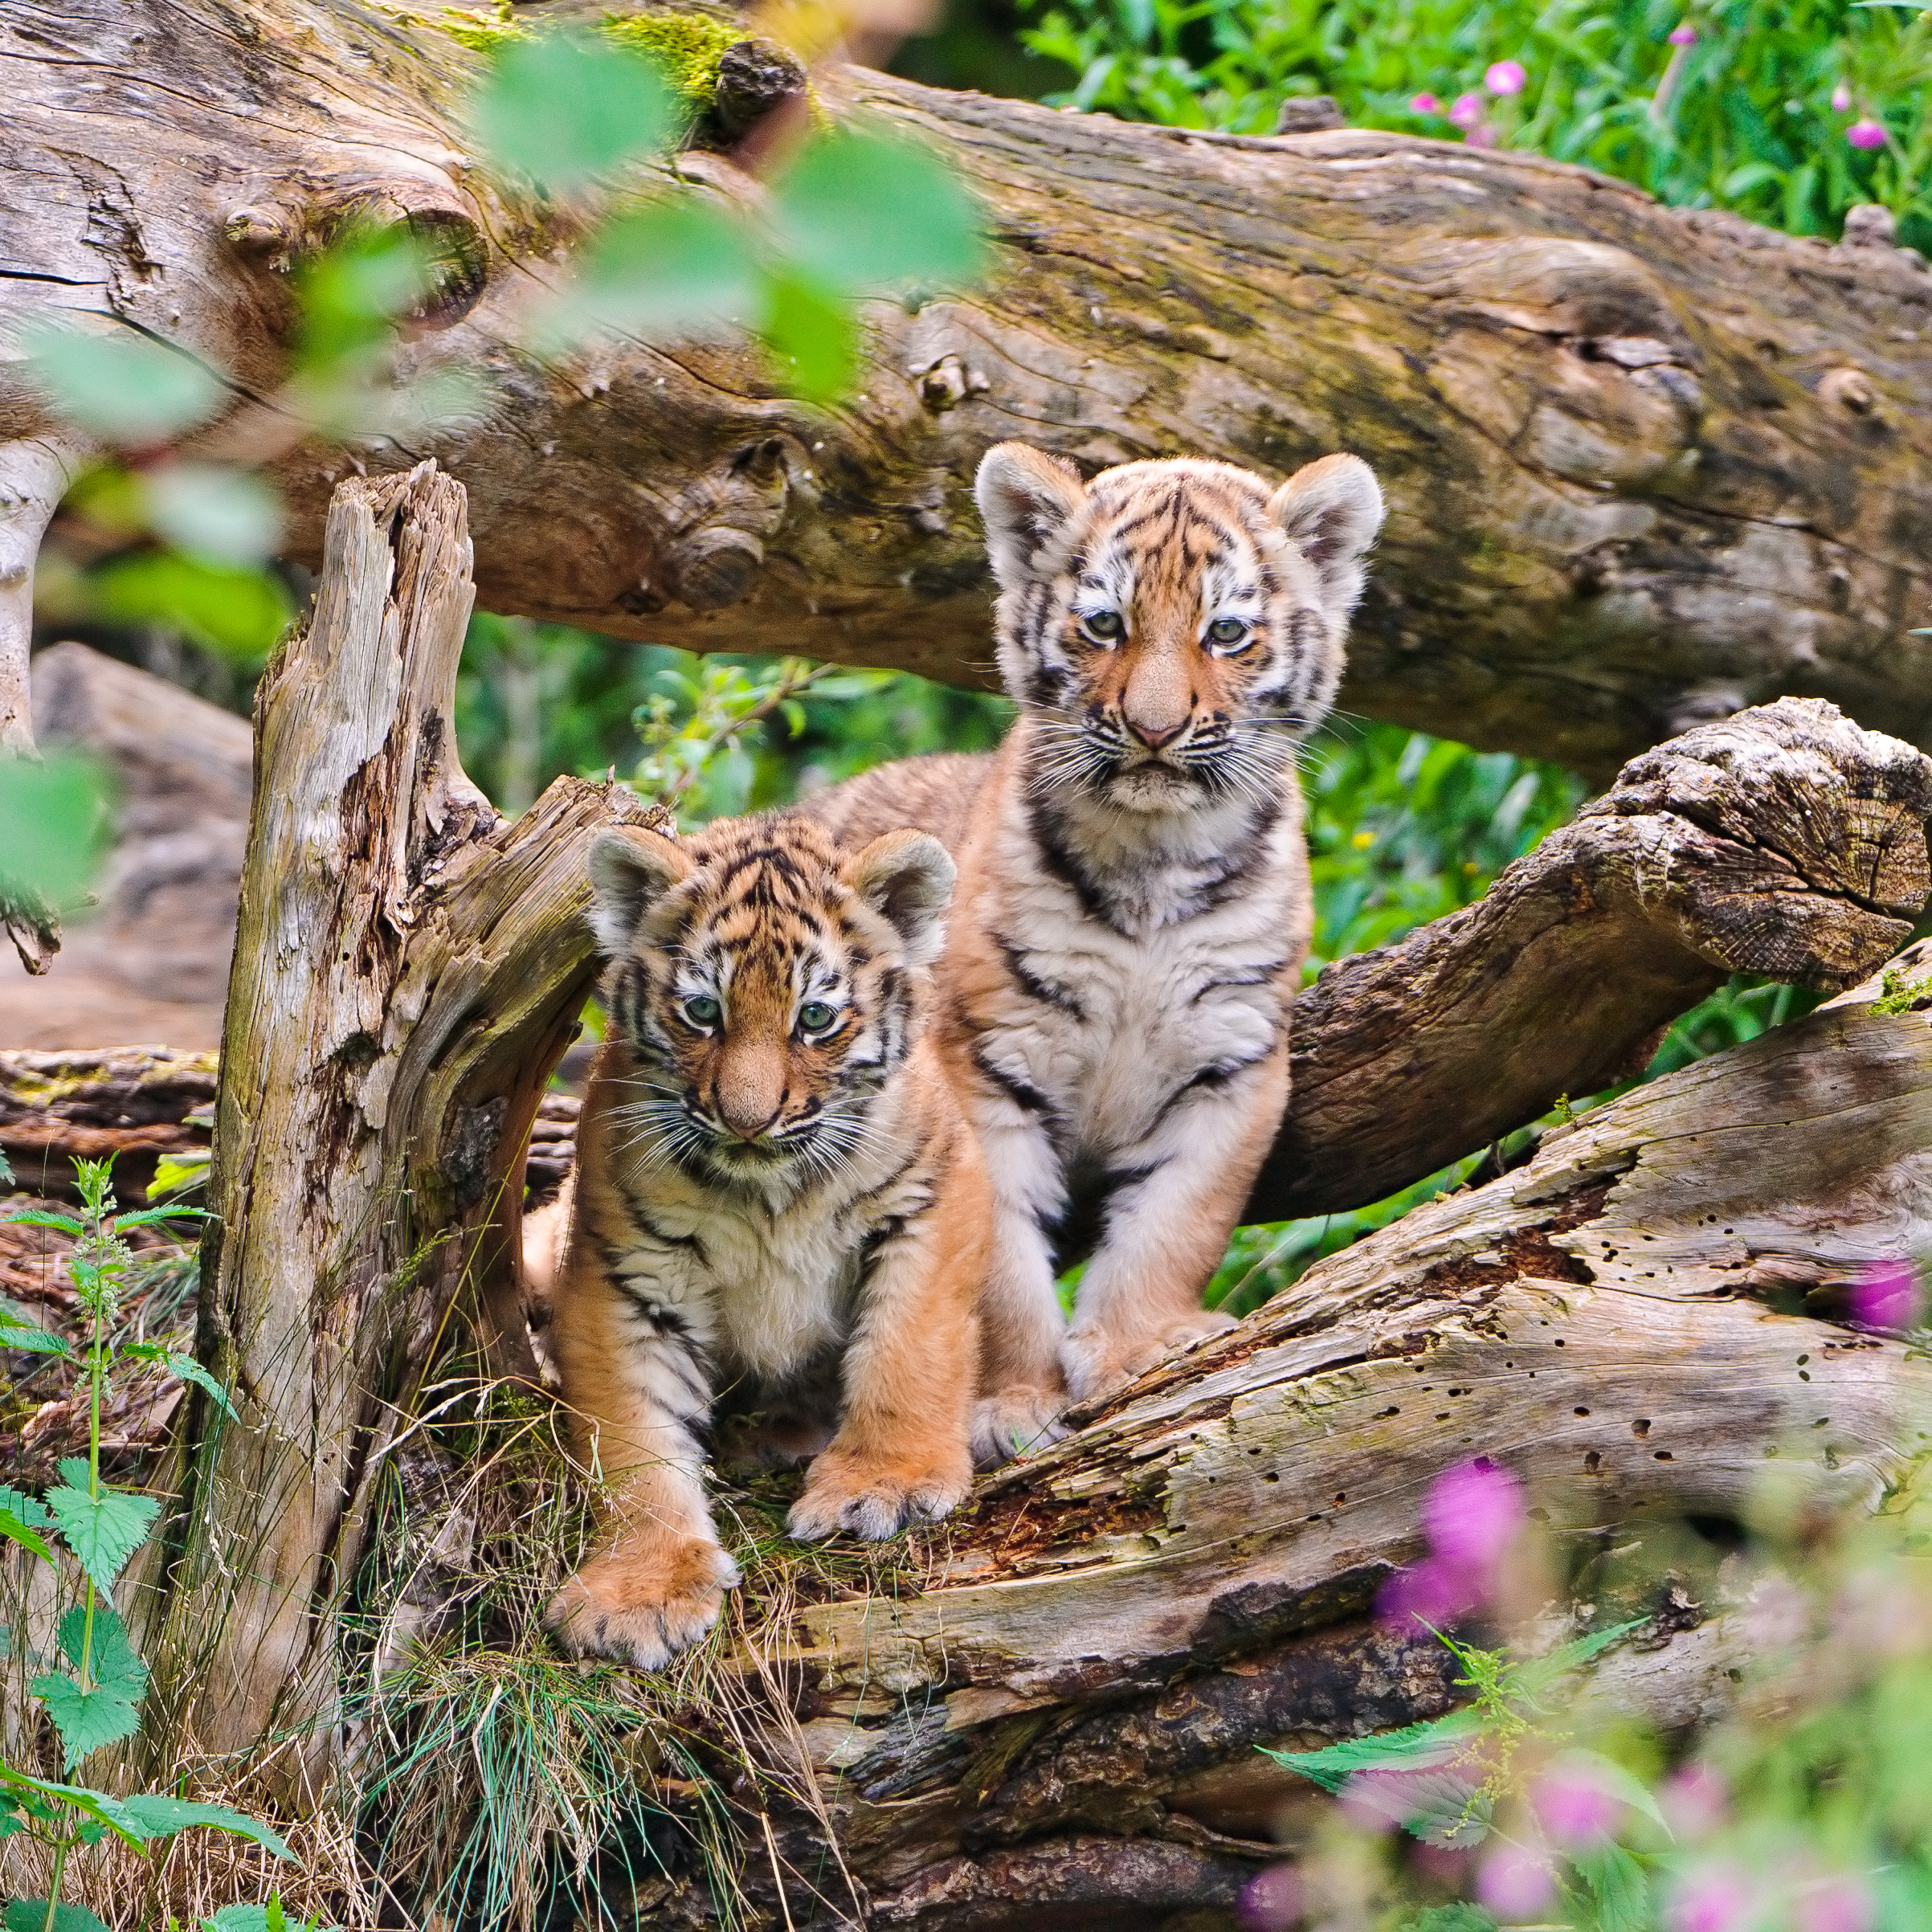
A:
1645, 466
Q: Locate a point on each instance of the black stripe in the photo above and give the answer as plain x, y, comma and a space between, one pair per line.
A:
1221, 1074
1023, 1094
1045, 991
1254, 976
1061, 864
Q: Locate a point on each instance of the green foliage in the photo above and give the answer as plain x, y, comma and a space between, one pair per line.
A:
55, 820
1752, 115
96, 1700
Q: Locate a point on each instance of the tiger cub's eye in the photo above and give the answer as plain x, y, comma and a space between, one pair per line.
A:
1228, 633
814, 1016
703, 1011
1104, 626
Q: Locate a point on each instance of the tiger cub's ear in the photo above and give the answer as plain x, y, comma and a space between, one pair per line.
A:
1331, 510
907, 878
1025, 499
630, 868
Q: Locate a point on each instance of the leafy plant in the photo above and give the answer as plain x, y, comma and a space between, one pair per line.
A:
91, 1691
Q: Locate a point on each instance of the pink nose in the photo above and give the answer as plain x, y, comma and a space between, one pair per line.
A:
1152, 737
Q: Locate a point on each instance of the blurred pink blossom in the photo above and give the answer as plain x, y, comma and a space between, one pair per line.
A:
1426, 103
1573, 1807
1383, 1799
1271, 1900
1481, 136
1866, 132
1841, 99
1840, 1905
1695, 1799
1467, 110
1712, 1898
1506, 77
1515, 1880
1434, 1592
1884, 1294
1472, 1515
1685, 35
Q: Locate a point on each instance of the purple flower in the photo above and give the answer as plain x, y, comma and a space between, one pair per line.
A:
1866, 132
1472, 1514
1506, 77
1712, 1898
1840, 1905
1685, 35
1573, 1806
1884, 1294
1426, 103
1271, 1900
1434, 1592
1514, 1881
1841, 99
1695, 1799
1468, 110
1483, 136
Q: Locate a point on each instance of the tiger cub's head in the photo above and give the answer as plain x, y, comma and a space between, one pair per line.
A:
1174, 627
767, 984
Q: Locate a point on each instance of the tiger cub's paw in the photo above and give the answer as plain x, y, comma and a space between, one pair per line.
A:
1015, 1422
1097, 1361
875, 1500
642, 1605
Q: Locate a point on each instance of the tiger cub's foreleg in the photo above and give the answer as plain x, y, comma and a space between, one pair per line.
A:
902, 1453
1166, 1229
641, 1394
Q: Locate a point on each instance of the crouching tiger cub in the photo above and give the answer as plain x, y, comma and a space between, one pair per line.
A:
1134, 904
777, 1207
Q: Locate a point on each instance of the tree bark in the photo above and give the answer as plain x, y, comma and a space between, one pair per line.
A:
1646, 466
407, 969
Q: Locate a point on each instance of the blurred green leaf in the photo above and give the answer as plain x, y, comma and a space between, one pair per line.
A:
239, 612
676, 267
54, 825
862, 213
814, 334
125, 388
563, 111
222, 516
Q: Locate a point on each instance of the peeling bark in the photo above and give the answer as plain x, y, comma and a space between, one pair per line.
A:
1645, 466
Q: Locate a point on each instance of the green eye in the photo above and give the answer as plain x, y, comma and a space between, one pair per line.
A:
1104, 625
1229, 633
703, 1011
814, 1016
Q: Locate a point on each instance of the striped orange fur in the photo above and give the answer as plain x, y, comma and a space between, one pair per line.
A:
1133, 903
779, 1220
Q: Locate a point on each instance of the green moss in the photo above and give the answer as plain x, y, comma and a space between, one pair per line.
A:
687, 47
1899, 994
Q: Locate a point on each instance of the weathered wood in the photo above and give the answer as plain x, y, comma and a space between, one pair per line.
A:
1644, 466
407, 969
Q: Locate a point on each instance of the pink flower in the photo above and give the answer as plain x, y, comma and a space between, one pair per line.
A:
1573, 1806
1695, 1799
1513, 1881
1380, 1800
1426, 103
1840, 1905
1434, 1593
1714, 1898
1685, 35
1507, 77
1484, 137
1472, 1514
1468, 110
1841, 99
1866, 132
1884, 1294
1271, 1900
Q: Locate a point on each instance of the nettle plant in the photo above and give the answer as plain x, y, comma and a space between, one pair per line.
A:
90, 1688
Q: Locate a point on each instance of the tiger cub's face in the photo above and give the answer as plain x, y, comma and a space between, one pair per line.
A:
767, 985
1174, 626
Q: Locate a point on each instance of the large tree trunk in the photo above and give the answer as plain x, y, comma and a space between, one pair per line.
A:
1645, 466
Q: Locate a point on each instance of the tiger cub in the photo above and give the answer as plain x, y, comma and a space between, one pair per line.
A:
778, 1210
1133, 903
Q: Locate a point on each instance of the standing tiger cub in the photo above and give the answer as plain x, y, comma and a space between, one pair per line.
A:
1133, 903
777, 1206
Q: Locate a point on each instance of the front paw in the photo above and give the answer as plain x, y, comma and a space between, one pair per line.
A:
1097, 1361
875, 1500
1015, 1422
642, 1604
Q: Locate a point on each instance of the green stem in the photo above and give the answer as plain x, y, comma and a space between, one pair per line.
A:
97, 1363
53, 1891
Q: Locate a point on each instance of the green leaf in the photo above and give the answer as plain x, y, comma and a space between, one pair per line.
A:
86, 1719
122, 386
58, 827
1415, 1747
102, 1531
562, 111
815, 334
28, 1338
161, 1816
113, 1664
147, 1217
41, 1217
190, 1371
176, 1173
1530, 1680
15, 1531
1607, 1775
866, 214
1619, 1885
674, 268
224, 516
1458, 1917
29, 1509
30, 1915
236, 613
37, 1794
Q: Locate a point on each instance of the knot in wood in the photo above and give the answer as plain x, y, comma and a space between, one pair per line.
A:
712, 569
754, 79
1868, 226
1849, 389
1316, 114
264, 234
943, 385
